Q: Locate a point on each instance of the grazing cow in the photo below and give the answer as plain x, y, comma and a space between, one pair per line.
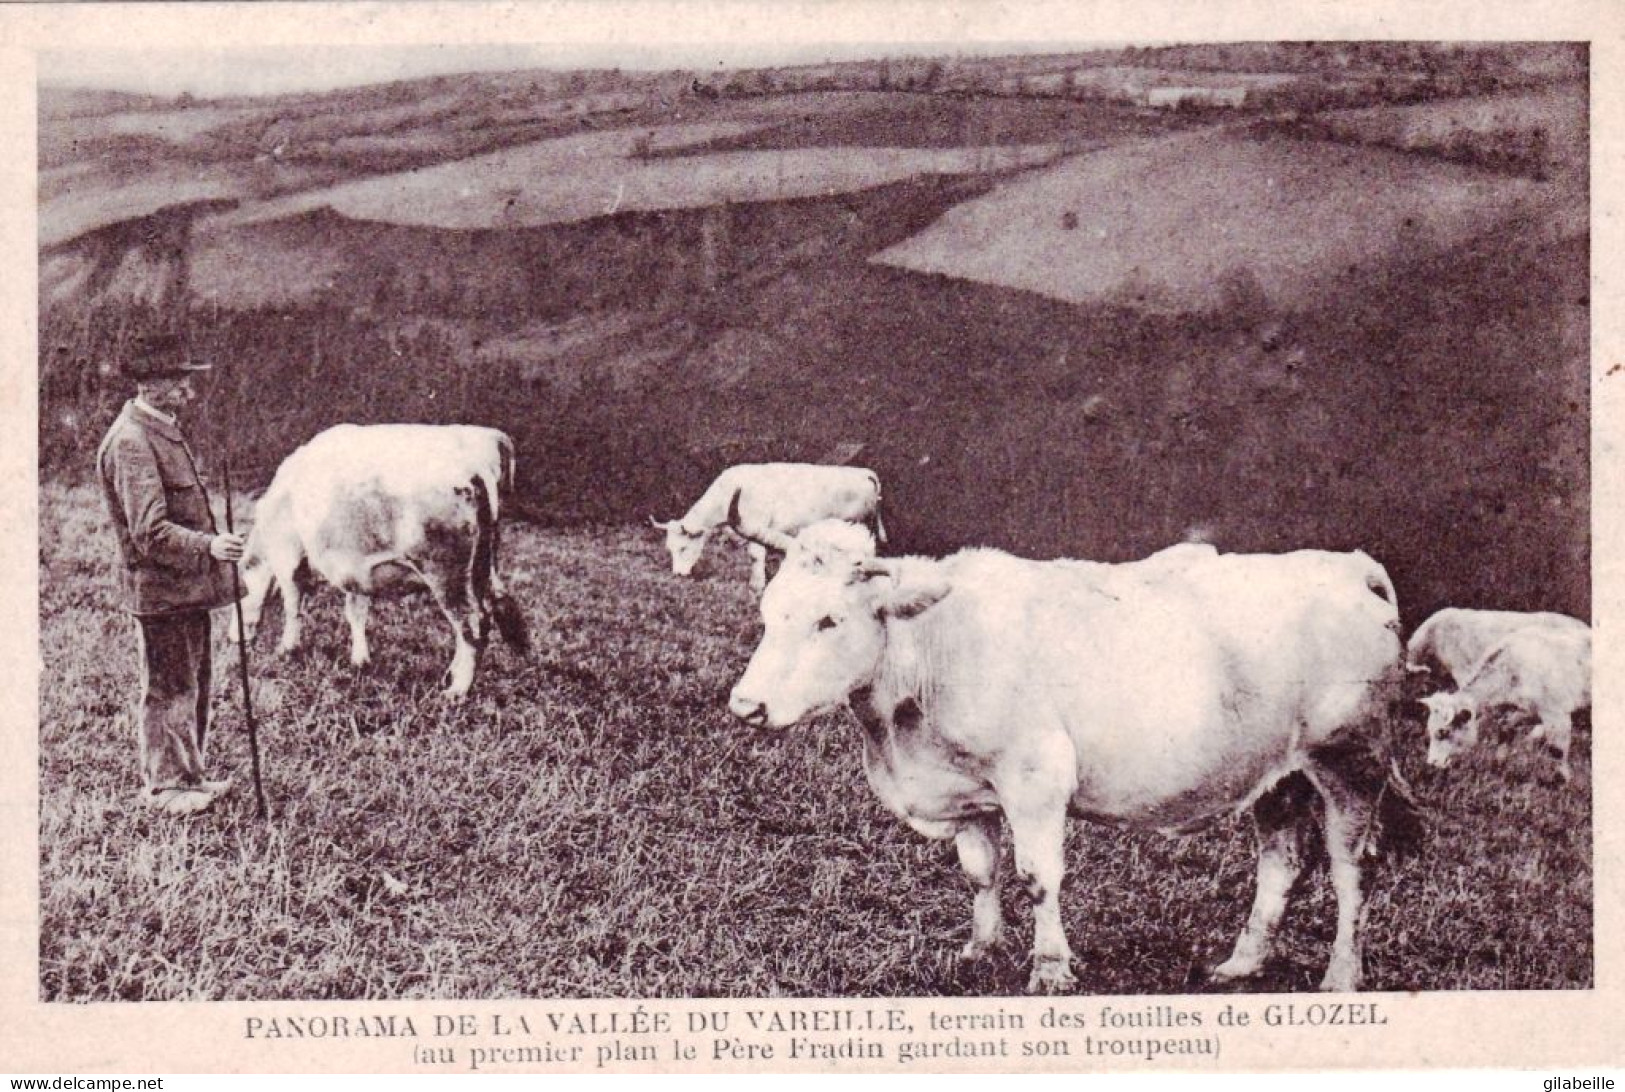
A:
1453, 642
769, 498
1536, 672
1157, 694
373, 506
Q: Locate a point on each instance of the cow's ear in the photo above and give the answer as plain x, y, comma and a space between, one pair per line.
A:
869, 570
904, 598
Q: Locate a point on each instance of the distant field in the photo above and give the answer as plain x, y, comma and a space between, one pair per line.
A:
95, 201
102, 169
1192, 222
575, 178
1562, 115
1122, 79
63, 140
903, 120
592, 824
177, 126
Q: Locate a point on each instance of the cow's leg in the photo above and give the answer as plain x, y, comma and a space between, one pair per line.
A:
450, 567
285, 564
1034, 788
758, 566
356, 609
466, 655
456, 601
1282, 816
467, 647
978, 845
1350, 807
1556, 735
1038, 830
1040, 843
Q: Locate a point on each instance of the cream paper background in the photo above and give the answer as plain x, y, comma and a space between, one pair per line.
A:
1538, 1030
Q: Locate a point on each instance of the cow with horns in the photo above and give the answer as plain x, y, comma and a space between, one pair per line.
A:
765, 499
371, 507
1158, 694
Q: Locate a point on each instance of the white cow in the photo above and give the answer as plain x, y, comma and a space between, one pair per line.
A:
1453, 642
372, 506
836, 534
1539, 673
1158, 694
768, 498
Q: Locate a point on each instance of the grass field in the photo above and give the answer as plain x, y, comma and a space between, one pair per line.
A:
1560, 115
1189, 222
97, 201
578, 178
592, 824
943, 121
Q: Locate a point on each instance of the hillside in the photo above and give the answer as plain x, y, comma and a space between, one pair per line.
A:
1307, 329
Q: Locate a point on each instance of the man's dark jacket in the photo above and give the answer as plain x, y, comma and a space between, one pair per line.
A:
161, 516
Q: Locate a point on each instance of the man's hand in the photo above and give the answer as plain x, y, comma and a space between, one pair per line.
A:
226, 547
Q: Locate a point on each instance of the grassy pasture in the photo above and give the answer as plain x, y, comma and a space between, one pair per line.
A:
578, 178
1209, 221
67, 140
102, 168
902, 120
591, 824
1428, 126
100, 199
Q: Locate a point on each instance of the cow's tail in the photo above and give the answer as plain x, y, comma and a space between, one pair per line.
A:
878, 528
510, 622
502, 487
505, 483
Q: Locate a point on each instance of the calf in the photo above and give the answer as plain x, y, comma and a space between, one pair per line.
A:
1453, 642
1543, 674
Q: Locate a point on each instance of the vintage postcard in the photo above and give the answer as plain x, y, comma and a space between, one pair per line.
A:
827, 537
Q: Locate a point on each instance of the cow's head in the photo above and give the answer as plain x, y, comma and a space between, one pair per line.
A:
1452, 726
824, 631
684, 545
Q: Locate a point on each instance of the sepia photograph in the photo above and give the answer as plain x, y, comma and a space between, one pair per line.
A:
939, 521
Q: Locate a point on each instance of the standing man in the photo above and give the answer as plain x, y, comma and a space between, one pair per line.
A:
176, 569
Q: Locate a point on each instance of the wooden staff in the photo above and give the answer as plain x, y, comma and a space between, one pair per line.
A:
242, 658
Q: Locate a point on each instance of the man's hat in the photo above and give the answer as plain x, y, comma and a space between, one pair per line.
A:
160, 356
